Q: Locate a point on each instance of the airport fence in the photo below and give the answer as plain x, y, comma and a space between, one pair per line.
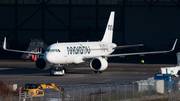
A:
144, 90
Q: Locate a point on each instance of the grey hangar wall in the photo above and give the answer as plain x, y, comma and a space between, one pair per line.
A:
156, 24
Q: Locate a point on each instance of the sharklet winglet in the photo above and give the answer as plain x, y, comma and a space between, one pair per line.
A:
4, 45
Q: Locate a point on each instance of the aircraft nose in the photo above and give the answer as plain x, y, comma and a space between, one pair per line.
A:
47, 57
51, 58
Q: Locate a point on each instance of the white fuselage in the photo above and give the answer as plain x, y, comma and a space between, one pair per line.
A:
66, 53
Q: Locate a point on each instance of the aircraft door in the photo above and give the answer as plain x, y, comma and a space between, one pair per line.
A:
65, 55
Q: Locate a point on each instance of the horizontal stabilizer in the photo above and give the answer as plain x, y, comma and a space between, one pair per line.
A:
128, 46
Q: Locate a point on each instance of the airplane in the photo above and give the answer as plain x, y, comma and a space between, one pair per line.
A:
95, 53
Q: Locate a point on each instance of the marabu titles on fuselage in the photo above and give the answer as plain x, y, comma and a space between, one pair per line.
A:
72, 50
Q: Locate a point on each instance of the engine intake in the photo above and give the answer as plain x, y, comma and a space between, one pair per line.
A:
42, 64
98, 64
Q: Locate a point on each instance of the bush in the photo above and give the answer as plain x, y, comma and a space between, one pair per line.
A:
5, 90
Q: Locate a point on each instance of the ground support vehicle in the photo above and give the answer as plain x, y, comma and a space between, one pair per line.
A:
38, 90
171, 70
175, 71
34, 89
57, 70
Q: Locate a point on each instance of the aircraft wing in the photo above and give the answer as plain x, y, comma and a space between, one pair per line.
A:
127, 54
4, 47
127, 46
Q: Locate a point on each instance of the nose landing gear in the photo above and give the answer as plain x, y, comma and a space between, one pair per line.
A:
97, 71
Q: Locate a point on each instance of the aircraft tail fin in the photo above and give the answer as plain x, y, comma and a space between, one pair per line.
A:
108, 35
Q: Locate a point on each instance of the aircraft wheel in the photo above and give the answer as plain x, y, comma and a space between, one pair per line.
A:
100, 71
64, 69
95, 71
51, 73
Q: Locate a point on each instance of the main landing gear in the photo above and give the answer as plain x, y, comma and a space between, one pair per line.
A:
97, 71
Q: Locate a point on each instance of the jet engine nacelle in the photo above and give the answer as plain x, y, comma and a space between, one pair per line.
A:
42, 64
98, 64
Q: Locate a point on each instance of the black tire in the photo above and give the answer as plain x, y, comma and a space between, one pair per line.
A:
51, 73
95, 71
64, 70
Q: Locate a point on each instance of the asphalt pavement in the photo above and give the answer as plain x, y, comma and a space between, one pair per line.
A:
20, 72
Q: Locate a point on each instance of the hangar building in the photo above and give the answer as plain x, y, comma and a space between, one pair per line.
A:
155, 23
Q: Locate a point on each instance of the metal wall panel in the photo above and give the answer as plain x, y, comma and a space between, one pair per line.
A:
24, 13
107, 2
83, 2
83, 17
54, 36
83, 23
156, 27
80, 1
53, 2
90, 2
8, 1
58, 2
34, 22
24, 37
62, 1
27, 2
52, 22
5, 34
7, 18
83, 20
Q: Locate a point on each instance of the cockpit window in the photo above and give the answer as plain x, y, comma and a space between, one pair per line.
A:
53, 50
31, 86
